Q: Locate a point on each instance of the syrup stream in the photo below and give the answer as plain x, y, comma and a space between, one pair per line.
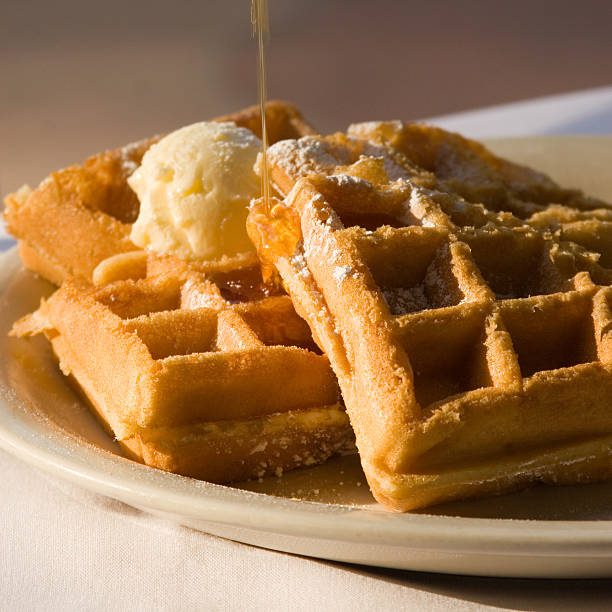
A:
273, 227
261, 30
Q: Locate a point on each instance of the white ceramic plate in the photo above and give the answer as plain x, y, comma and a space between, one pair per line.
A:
324, 512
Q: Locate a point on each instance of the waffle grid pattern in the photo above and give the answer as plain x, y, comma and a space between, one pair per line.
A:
467, 342
184, 367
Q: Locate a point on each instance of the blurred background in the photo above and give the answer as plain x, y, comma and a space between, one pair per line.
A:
80, 77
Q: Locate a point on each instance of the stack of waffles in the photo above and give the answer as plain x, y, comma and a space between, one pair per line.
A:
195, 367
463, 302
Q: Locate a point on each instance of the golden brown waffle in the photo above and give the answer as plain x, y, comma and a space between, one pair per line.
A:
80, 216
195, 367
206, 376
473, 351
467, 168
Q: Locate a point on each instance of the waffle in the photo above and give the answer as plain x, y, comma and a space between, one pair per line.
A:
204, 375
81, 215
465, 167
473, 349
194, 367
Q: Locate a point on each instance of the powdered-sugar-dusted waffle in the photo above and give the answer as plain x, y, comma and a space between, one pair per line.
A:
81, 215
206, 375
466, 167
473, 351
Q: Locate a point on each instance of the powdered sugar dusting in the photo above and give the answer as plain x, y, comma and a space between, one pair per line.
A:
394, 170
419, 203
192, 297
346, 180
300, 157
341, 273
402, 300
298, 261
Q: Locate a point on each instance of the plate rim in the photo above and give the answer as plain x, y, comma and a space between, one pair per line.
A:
44, 446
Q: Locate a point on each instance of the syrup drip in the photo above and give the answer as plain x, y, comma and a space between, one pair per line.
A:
261, 31
276, 232
274, 227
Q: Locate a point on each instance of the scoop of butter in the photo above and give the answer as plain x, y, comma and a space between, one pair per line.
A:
194, 187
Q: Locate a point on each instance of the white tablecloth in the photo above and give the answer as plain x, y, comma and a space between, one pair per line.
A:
62, 548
